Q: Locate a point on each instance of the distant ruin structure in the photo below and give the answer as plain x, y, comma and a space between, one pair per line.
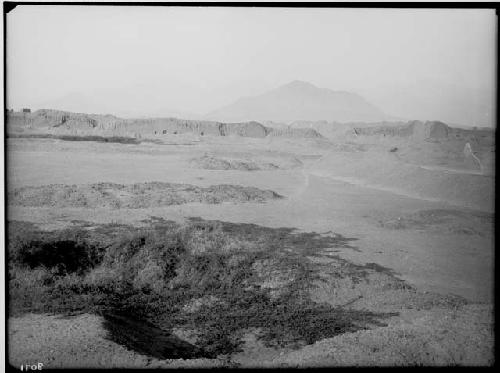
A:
438, 130
417, 130
90, 124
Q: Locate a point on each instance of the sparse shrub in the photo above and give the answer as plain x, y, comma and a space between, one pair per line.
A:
40, 276
151, 276
28, 289
201, 239
102, 277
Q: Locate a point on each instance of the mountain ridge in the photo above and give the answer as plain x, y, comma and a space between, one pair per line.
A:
300, 100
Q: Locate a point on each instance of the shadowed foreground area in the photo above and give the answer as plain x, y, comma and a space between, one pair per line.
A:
148, 339
210, 280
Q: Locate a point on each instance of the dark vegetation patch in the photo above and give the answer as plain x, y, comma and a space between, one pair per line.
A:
133, 196
111, 139
216, 279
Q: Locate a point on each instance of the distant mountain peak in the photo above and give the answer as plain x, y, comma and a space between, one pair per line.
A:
300, 100
299, 84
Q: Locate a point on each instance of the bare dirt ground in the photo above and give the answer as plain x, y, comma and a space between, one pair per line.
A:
76, 342
437, 239
443, 337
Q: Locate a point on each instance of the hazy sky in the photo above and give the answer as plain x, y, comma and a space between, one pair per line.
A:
418, 64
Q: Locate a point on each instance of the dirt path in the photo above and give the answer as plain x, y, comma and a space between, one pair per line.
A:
305, 173
453, 170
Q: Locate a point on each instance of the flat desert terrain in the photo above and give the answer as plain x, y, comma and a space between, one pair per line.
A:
398, 233
249, 187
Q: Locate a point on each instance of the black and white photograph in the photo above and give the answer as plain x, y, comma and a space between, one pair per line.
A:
266, 185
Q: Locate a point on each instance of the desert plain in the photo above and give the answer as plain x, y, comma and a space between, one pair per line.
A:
375, 240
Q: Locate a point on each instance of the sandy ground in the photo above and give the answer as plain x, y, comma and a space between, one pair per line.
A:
433, 337
434, 258
453, 255
77, 342
443, 337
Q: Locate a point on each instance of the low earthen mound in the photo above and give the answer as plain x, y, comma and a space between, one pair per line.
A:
134, 196
462, 150
307, 133
384, 171
429, 130
472, 222
214, 163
